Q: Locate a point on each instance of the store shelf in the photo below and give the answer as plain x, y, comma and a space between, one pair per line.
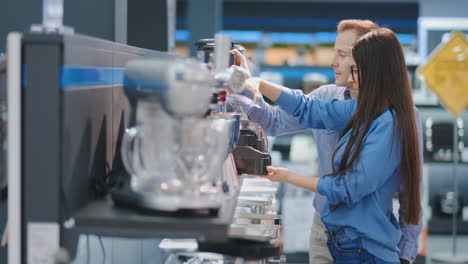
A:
103, 218
242, 248
439, 225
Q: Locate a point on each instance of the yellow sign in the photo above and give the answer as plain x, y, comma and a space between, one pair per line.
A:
446, 73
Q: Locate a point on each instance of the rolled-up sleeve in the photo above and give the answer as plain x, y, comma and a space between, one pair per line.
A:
274, 120
369, 173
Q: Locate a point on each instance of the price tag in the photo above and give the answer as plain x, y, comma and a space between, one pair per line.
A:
43, 242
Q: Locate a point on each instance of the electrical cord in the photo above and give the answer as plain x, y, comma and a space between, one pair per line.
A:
4, 193
2, 63
88, 249
115, 178
103, 249
3, 176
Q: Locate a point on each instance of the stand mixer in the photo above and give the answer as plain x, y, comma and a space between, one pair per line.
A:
177, 156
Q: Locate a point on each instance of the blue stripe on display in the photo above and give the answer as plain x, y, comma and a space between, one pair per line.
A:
244, 36
326, 37
251, 36
291, 38
406, 39
182, 35
79, 76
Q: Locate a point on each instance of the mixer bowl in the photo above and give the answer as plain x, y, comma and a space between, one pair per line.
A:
234, 126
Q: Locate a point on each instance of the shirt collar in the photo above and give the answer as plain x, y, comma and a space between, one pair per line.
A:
347, 95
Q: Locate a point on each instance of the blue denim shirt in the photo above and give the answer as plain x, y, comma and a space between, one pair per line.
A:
277, 122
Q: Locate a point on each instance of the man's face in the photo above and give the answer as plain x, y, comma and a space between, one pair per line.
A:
353, 79
342, 58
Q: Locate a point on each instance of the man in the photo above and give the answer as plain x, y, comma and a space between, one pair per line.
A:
277, 122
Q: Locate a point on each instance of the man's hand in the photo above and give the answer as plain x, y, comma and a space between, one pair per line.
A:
241, 61
277, 174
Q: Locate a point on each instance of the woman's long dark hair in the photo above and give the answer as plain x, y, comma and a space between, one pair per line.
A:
383, 82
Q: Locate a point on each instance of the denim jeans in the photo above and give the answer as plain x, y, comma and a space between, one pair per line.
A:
347, 251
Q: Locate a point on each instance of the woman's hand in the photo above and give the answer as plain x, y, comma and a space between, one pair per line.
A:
284, 175
241, 61
277, 174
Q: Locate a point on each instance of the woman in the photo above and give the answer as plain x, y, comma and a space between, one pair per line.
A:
378, 143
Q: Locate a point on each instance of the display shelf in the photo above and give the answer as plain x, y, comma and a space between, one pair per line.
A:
102, 217
242, 248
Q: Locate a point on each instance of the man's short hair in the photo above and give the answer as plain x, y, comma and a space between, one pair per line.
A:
361, 27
